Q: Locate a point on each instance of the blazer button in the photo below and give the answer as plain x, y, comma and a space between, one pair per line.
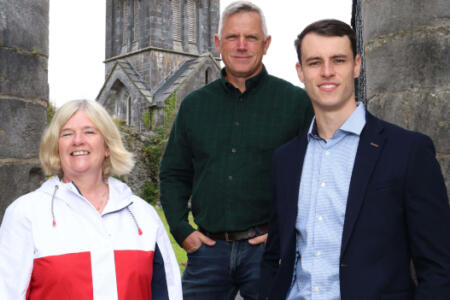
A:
279, 262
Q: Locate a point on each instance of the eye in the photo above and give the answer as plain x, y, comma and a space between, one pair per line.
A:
314, 63
66, 134
252, 38
90, 132
339, 60
231, 37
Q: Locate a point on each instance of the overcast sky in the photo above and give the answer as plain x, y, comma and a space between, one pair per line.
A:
77, 41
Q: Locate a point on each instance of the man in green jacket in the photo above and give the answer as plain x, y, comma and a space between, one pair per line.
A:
219, 156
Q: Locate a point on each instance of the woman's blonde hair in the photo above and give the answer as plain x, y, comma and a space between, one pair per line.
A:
119, 162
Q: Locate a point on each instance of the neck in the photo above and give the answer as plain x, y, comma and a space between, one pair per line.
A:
328, 122
93, 188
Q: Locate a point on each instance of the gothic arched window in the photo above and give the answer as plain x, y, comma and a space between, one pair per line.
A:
124, 21
176, 20
191, 13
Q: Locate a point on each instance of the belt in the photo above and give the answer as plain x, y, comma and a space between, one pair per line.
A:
237, 235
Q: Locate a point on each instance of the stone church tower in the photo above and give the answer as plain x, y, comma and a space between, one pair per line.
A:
156, 49
157, 52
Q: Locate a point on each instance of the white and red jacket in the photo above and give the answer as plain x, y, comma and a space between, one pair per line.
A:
54, 245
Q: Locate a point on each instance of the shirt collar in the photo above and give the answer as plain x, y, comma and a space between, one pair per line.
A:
250, 83
353, 125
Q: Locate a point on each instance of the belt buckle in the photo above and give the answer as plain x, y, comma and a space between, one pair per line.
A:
227, 237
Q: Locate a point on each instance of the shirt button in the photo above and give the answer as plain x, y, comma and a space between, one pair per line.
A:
230, 177
233, 150
316, 289
318, 253
237, 123
322, 184
327, 153
320, 218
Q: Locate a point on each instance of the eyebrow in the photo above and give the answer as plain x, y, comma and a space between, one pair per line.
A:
83, 128
320, 58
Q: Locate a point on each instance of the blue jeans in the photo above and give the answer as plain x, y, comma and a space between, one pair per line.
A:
220, 271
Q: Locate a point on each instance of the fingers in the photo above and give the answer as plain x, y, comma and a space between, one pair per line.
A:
206, 240
195, 241
258, 240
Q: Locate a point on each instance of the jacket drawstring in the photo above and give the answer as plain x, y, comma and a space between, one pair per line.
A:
53, 201
54, 220
135, 221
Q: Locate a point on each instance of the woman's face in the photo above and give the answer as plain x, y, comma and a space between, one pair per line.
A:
81, 147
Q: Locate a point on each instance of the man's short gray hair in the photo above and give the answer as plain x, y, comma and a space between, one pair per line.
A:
242, 6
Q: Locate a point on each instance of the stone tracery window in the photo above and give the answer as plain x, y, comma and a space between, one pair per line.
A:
124, 21
176, 22
191, 12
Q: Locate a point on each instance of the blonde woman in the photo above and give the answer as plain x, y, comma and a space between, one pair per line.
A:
83, 234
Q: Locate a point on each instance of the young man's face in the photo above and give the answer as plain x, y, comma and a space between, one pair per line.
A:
242, 45
328, 70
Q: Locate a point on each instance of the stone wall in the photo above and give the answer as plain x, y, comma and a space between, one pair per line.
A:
407, 67
23, 95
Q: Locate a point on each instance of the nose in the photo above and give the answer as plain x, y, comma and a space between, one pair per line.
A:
327, 69
78, 138
242, 43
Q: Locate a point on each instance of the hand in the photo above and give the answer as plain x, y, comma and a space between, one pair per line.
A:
258, 240
195, 241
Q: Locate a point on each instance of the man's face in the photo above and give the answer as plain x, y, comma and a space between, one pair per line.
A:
242, 45
328, 70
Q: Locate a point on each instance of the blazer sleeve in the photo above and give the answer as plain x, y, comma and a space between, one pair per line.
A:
16, 253
166, 280
271, 256
428, 219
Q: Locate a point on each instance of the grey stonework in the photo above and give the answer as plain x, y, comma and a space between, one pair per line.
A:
407, 66
23, 95
154, 50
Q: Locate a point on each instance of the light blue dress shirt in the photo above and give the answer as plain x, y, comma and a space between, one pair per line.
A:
322, 201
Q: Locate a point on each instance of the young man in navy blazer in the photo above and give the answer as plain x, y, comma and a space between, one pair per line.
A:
355, 199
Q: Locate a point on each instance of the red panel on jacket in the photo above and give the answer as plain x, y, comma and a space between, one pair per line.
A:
134, 271
67, 276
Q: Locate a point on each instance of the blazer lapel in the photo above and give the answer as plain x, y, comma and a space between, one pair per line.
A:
294, 166
369, 148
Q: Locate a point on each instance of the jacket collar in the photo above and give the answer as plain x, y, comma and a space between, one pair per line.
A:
119, 195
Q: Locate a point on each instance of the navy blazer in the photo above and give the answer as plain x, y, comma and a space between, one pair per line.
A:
397, 211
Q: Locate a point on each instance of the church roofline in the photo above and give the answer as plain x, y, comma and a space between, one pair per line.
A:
157, 49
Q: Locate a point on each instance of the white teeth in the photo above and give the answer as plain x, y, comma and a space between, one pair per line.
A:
76, 153
328, 86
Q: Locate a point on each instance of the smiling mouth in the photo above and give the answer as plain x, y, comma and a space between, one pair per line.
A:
328, 86
78, 153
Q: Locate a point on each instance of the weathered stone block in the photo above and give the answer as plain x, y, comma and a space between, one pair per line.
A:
21, 178
419, 110
23, 75
444, 161
382, 17
413, 61
21, 127
24, 25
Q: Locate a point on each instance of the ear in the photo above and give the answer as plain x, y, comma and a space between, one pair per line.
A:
357, 67
267, 43
217, 43
298, 66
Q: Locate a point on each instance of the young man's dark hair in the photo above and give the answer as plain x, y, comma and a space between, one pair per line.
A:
329, 27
